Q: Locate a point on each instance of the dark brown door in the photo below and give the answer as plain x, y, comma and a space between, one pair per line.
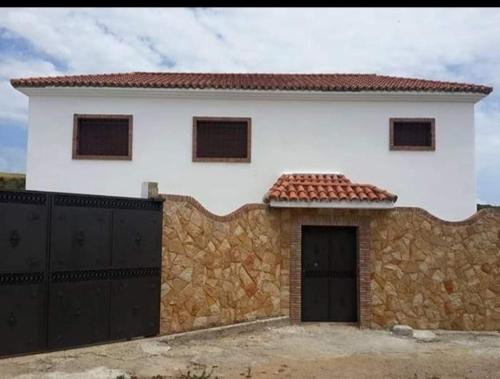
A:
329, 274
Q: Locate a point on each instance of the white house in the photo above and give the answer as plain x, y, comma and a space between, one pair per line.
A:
224, 139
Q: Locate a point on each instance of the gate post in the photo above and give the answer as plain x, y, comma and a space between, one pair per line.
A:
149, 190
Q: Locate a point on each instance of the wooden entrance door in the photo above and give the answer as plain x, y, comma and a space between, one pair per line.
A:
329, 274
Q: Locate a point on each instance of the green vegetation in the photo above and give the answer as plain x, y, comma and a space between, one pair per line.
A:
482, 206
12, 182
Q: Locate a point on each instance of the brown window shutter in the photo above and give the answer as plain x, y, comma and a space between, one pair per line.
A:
221, 139
102, 137
412, 134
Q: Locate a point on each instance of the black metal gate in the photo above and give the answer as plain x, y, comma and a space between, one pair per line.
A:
329, 273
77, 270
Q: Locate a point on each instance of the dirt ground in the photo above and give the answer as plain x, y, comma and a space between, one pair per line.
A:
305, 351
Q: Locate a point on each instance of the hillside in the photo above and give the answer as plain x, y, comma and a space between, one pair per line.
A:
12, 182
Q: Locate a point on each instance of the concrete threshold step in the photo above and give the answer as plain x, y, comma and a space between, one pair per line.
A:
226, 330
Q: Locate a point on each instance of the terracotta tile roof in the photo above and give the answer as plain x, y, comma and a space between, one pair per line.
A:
254, 81
324, 187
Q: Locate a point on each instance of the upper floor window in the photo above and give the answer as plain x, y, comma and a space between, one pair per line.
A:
221, 139
412, 134
102, 137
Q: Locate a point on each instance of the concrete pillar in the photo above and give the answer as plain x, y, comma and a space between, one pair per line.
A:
149, 190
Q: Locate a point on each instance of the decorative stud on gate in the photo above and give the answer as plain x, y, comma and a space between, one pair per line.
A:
14, 238
34, 293
12, 321
138, 239
77, 312
80, 238
34, 216
135, 310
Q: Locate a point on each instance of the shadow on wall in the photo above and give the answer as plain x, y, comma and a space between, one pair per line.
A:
12, 182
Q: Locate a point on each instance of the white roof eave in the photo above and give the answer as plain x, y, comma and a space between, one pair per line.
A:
236, 94
333, 204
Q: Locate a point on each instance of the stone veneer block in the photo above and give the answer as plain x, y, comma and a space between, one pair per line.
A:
219, 270
433, 274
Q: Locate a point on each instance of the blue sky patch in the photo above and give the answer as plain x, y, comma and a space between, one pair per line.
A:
14, 45
13, 134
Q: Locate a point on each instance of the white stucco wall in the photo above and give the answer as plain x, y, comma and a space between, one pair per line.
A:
350, 137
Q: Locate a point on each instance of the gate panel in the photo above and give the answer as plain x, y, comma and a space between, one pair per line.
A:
315, 247
343, 300
343, 287
315, 263
329, 274
80, 238
136, 240
77, 269
23, 233
22, 315
135, 307
78, 313
315, 299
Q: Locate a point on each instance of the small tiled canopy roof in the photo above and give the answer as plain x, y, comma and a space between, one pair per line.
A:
324, 188
253, 81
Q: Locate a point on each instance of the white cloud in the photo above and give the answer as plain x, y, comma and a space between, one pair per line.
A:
488, 134
449, 44
488, 155
15, 105
423, 42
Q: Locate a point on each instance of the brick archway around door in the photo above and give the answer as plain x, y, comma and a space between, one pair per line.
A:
360, 220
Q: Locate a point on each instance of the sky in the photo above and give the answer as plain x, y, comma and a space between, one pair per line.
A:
444, 44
